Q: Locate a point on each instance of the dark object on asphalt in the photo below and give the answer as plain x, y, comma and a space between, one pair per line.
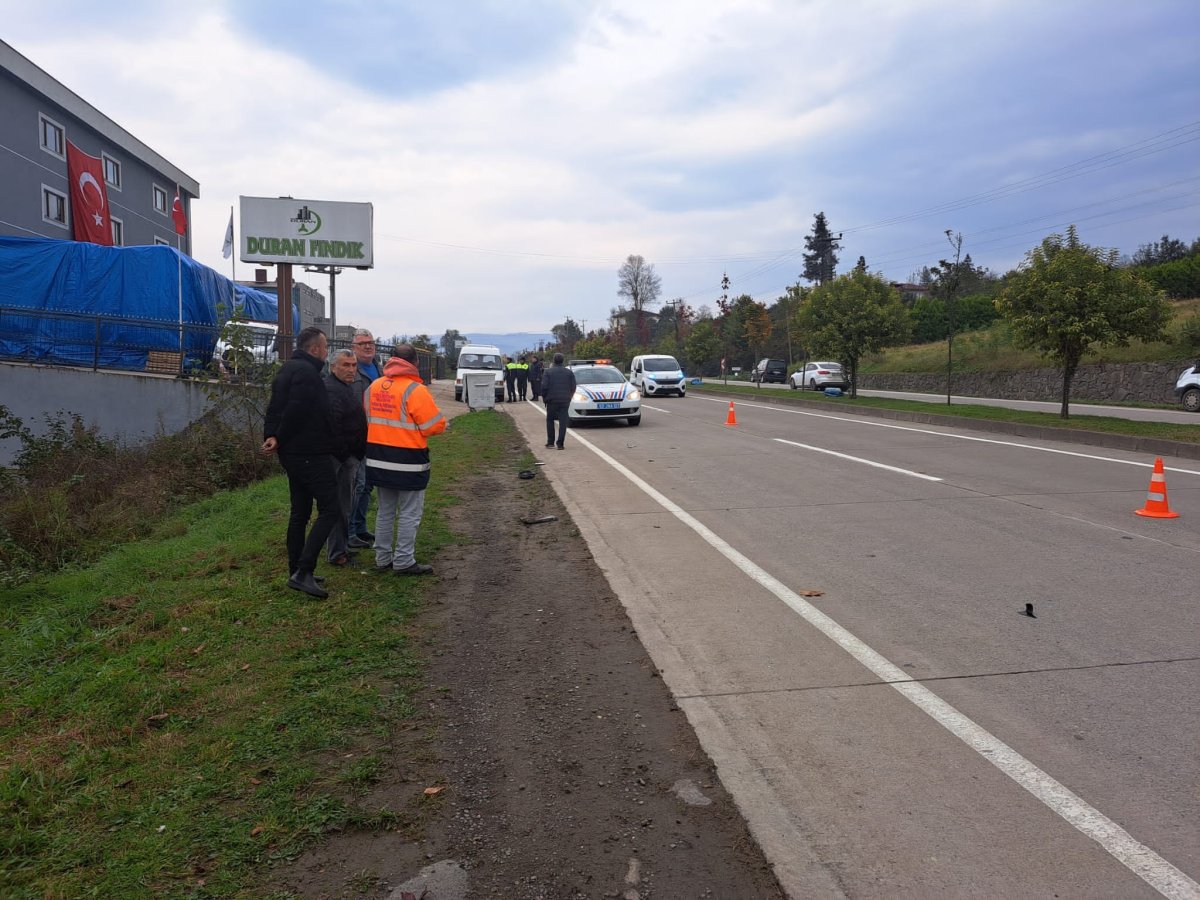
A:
526, 474
307, 582
416, 569
1029, 610
540, 520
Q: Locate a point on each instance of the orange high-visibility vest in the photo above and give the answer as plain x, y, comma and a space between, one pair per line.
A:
401, 414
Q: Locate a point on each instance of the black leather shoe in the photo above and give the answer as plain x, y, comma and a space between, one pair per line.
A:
307, 583
366, 536
416, 569
357, 543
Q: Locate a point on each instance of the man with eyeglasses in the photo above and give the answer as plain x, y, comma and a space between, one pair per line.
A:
363, 344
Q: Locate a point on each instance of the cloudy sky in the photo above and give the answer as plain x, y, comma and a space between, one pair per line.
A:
516, 151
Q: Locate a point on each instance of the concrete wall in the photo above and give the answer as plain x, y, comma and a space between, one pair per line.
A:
122, 404
1127, 383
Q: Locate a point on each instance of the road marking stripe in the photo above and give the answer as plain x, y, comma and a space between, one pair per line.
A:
859, 459
855, 420
1137, 857
656, 408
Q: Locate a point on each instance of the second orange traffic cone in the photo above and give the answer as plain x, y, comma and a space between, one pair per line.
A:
731, 419
1156, 500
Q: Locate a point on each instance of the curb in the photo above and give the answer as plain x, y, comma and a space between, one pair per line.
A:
1132, 443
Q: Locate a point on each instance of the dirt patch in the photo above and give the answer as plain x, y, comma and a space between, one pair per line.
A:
566, 769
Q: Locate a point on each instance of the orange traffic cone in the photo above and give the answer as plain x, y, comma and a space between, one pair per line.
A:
1156, 500
731, 419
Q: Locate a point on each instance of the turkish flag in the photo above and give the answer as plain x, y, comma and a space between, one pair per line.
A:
89, 199
177, 214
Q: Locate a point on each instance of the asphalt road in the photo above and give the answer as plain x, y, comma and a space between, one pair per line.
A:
1135, 413
910, 732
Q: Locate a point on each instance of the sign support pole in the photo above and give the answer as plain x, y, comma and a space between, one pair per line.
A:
283, 292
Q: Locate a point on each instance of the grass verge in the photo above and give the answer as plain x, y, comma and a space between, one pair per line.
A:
173, 719
1168, 431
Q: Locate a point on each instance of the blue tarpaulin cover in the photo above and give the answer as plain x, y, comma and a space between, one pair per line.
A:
143, 284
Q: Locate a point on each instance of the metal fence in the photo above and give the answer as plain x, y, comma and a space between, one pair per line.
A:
96, 342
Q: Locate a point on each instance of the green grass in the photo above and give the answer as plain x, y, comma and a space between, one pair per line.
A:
1109, 424
173, 719
991, 349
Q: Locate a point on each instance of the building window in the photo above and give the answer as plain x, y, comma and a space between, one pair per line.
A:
54, 207
53, 139
112, 171
118, 232
161, 204
161, 242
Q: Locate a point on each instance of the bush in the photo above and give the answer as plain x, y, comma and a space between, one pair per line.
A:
72, 494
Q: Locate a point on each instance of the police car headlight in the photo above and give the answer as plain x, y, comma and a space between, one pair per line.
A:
579, 397
633, 395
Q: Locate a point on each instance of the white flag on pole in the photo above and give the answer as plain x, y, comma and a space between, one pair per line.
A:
227, 249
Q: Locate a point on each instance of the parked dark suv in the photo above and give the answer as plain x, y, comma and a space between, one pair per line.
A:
769, 370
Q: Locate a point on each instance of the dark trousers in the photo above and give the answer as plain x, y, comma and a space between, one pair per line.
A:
522, 380
535, 385
510, 383
557, 411
310, 478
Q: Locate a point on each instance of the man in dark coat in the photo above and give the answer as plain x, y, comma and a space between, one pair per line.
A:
297, 427
349, 423
510, 378
535, 378
370, 367
558, 387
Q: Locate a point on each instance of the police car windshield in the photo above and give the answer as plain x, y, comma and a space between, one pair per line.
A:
665, 364
598, 375
479, 361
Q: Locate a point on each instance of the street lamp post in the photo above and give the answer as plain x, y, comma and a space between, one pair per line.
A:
332, 271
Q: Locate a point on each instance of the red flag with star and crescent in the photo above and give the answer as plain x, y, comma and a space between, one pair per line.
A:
90, 219
178, 215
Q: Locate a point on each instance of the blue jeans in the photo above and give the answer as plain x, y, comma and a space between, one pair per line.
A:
362, 500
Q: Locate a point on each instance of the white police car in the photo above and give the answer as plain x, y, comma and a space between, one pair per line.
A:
602, 392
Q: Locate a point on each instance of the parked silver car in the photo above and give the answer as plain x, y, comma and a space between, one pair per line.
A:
816, 376
1187, 388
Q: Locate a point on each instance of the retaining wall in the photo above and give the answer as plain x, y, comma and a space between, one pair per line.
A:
1107, 383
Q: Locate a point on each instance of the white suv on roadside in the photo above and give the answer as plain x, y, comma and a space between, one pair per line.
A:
1187, 388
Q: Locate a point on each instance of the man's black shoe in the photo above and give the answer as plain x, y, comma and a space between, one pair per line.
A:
416, 569
357, 543
366, 536
304, 581
551, 444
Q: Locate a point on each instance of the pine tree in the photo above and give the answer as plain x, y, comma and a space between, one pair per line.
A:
820, 262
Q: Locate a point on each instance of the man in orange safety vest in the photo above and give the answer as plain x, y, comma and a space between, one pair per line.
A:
401, 414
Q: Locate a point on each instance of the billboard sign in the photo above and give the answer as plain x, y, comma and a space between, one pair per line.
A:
309, 232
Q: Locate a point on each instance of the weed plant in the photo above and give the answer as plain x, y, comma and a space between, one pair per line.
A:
173, 719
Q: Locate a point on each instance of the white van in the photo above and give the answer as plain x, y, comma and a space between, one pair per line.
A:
655, 374
479, 358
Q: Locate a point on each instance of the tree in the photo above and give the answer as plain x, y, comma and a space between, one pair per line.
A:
594, 348
449, 344
820, 262
567, 334
1167, 250
757, 325
637, 282
861, 265
1068, 297
702, 345
853, 315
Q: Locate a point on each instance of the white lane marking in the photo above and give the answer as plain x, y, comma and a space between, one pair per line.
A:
656, 408
1137, 857
855, 420
859, 459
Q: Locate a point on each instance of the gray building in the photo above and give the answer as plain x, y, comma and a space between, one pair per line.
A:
38, 115
310, 301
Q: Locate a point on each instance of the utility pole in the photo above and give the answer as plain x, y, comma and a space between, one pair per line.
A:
724, 304
952, 291
677, 305
827, 244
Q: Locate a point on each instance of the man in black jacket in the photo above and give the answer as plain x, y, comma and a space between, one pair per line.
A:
297, 428
349, 423
558, 387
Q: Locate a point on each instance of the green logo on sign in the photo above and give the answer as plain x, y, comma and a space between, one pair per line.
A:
307, 220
